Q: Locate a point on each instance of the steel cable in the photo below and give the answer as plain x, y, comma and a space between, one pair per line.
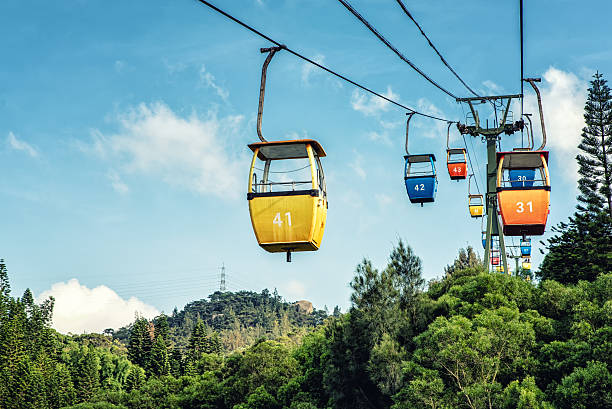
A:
234, 19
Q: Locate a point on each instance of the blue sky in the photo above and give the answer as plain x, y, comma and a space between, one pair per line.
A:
124, 125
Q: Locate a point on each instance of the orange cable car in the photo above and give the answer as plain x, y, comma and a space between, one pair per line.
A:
456, 161
523, 203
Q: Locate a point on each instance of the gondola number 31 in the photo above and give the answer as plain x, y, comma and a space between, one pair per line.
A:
521, 207
277, 219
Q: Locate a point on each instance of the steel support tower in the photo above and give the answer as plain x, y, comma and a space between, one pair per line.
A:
492, 136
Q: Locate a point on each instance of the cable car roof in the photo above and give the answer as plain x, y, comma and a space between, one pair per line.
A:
294, 149
420, 158
453, 151
522, 159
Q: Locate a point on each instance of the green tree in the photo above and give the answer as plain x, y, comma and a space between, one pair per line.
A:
467, 258
595, 163
199, 342
162, 328
589, 387
87, 380
475, 354
159, 363
140, 343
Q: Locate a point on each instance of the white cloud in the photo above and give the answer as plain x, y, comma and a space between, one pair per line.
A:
372, 105
308, 69
294, 290
119, 66
184, 152
427, 127
563, 99
117, 183
383, 199
21, 145
174, 67
357, 165
210, 81
80, 309
379, 137
492, 88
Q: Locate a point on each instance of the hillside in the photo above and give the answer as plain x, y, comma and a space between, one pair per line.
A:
240, 319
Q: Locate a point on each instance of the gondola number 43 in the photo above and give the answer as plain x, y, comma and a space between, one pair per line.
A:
278, 221
520, 207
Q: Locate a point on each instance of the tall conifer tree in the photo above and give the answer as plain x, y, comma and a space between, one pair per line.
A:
595, 161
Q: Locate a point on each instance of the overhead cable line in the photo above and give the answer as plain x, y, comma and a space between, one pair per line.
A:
434, 47
470, 159
395, 50
234, 19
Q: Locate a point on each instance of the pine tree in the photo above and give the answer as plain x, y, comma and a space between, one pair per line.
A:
159, 363
62, 391
582, 248
595, 163
88, 379
161, 327
139, 346
198, 342
135, 378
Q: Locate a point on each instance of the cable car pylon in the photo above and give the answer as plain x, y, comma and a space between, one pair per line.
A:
492, 136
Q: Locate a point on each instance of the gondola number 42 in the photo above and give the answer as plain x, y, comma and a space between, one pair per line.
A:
278, 221
520, 207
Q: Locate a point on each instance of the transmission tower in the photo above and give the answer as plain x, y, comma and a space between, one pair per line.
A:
222, 281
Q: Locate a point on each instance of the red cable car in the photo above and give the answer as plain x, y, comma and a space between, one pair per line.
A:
523, 203
455, 159
456, 163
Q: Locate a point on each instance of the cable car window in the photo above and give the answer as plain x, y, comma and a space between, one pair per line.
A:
282, 176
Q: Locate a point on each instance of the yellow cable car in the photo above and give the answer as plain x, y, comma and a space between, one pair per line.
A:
288, 214
475, 202
526, 264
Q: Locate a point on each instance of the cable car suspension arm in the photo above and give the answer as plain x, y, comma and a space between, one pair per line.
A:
532, 82
409, 114
262, 89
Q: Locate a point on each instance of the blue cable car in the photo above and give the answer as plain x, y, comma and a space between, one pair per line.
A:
526, 247
420, 178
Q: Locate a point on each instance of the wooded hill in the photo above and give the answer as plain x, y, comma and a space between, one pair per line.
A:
239, 319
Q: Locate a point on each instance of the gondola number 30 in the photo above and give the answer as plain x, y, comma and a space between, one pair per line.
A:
520, 207
277, 219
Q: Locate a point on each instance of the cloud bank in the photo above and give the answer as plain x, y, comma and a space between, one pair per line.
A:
79, 309
563, 99
186, 152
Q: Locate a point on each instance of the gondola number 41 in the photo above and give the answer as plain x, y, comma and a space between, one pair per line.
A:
277, 219
521, 207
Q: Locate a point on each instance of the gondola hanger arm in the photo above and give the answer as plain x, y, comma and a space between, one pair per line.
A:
262, 88
532, 82
448, 134
410, 115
